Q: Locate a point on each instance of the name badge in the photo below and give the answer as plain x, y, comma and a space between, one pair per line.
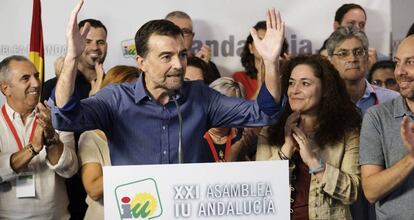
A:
25, 185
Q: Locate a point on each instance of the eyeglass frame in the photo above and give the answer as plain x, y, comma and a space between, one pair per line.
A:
348, 53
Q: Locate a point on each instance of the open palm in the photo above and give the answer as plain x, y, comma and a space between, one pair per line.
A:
407, 134
270, 46
76, 38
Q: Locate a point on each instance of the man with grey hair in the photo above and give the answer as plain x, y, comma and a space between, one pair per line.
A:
347, 49
34, 159
184, 22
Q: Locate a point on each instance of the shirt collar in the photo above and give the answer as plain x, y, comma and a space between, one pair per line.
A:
13, 114
369, 90
400, 107
141, 93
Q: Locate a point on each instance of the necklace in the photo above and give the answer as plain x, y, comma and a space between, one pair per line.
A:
217, 138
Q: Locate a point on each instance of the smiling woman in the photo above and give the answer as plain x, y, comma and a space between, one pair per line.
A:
318, 133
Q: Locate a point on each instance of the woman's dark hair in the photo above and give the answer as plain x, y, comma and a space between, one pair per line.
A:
337, 114
205, 68
384, 64
247, 58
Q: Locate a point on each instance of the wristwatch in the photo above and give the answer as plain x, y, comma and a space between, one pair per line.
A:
52, 141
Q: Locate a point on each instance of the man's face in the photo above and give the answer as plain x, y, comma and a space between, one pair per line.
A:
165, 63
23, 86
95, 48
186, 25
354, 17
350, 59
404, 70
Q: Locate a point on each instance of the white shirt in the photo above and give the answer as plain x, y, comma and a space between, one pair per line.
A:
50, 201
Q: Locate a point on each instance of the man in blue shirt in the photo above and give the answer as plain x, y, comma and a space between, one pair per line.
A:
140, 119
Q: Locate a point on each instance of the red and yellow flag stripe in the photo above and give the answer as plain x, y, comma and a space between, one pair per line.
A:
36, 54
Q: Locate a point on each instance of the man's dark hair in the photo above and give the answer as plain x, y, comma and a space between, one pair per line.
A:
340, 13
94, 23
411, 30
247, 58
208, 75
159, 27
384, 64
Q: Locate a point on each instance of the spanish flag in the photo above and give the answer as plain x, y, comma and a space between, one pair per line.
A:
36, 53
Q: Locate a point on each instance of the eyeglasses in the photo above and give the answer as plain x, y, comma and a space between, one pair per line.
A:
187, 32
357, 52
387, 82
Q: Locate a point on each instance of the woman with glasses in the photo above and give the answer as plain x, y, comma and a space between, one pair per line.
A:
382, 74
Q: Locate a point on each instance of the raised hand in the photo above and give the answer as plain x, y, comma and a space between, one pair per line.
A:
204, 53
290, 145
43, 115
305, 148
76, 39
271, 45
407, 134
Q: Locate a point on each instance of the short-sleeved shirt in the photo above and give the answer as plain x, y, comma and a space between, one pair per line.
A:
381, 144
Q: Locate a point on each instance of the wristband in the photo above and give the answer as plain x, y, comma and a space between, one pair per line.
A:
318, 169
32, 150
282, 155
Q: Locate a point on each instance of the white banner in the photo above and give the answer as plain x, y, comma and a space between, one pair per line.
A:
240, 190
221, 24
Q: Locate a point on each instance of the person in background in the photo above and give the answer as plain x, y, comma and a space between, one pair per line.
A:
348, 51
252, 76
93, 150
318, 133
382, 74
197, 69
34, 158
351, 14
227, 144
185, 23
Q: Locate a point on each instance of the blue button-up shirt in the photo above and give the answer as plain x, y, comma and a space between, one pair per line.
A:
374, 95
141, 131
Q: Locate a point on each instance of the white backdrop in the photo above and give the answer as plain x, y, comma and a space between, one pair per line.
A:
223, 24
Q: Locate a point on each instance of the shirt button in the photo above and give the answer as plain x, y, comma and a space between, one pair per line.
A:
164, 152
163, 127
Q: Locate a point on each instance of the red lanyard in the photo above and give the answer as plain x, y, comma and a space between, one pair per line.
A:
213, 148
13, 130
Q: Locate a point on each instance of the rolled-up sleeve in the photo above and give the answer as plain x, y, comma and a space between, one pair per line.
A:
6, 171
67, 165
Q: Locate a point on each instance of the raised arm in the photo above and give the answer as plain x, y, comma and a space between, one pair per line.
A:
75, 45
270, 48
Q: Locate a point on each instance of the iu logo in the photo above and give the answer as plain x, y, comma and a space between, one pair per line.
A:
138, 200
